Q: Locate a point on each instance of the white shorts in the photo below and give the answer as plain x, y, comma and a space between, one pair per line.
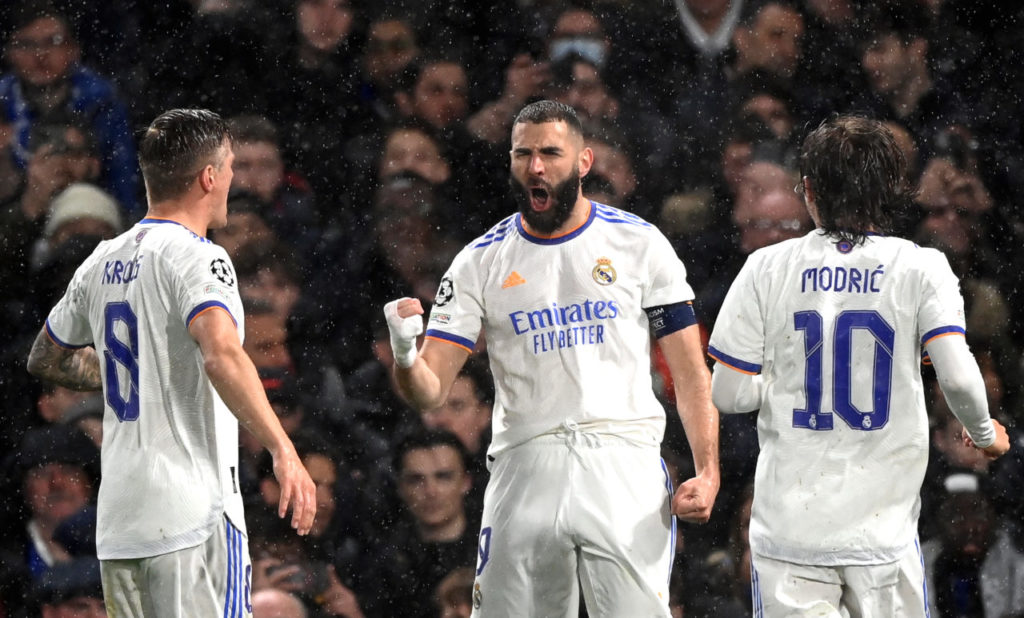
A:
211, 579
877, 591
558, 510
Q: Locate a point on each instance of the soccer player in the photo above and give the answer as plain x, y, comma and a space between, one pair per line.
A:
160, 306
824, 335
570, 292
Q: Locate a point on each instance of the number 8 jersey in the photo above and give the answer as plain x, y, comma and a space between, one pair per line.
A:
837, 331
170, 445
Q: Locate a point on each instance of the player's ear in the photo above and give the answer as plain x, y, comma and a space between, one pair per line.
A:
206, 178
585, 161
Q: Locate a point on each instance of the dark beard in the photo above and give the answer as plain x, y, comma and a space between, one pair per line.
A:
563, 200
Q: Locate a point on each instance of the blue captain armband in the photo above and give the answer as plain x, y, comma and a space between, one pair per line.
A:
667, 319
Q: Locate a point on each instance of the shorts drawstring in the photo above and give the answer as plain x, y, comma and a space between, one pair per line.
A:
576, 438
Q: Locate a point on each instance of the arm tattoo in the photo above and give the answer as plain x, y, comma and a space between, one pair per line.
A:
75, 369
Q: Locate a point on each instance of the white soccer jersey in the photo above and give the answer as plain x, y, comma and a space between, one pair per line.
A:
837, 332
170, 445
567, 336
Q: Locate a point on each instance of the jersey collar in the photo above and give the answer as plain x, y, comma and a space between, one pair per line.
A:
556, 240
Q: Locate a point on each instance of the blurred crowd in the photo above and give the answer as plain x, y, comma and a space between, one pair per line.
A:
371, 143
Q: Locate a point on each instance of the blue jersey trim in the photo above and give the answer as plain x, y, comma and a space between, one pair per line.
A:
733, 362
450, 338
497, 233
60, 342
201, 307
924, 579
672, 541
942, 330
616, 215
558, 239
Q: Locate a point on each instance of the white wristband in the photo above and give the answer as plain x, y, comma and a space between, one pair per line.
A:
404, 332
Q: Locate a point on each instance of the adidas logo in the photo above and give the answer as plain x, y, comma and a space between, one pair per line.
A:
513, 280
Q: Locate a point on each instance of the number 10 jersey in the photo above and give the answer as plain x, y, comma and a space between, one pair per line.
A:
837, 330
170, 445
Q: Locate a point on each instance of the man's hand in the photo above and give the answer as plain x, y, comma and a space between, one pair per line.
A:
997, 448
695, 498
271, 573
339, 600
298, 491
405, 325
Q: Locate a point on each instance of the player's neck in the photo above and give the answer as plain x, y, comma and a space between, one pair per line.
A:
173, 210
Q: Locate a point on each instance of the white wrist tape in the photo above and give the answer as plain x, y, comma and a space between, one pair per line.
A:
404, 332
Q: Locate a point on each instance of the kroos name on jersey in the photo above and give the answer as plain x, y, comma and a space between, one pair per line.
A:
116, 271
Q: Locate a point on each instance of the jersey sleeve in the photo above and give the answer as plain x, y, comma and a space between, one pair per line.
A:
68, 322
941, 311
207, 281
666, 281
737, 340
457, 314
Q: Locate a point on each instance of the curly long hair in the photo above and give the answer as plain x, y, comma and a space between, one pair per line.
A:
858, 177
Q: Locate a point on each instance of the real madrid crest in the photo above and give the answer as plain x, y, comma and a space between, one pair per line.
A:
603, 273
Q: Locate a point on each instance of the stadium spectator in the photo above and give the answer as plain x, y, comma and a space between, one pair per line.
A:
689, 40
285, 564
391, 46
435, 535
48, 83
769, 38
58, 468
413, 148
467, 410
973, 568
81, 209
336, 536
59, 156
287, 200
71, 590
434, 90
400, 246
455, 593
466, 413
246, 226
902, 85
276, 603
755, 221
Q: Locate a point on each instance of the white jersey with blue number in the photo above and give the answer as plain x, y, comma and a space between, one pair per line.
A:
567, 335
170, 445
837, 332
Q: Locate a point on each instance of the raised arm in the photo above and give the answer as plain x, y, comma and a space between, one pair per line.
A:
695, 497
422, 377
74, 368
234, 376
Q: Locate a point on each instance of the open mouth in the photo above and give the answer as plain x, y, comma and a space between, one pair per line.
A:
540, 199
